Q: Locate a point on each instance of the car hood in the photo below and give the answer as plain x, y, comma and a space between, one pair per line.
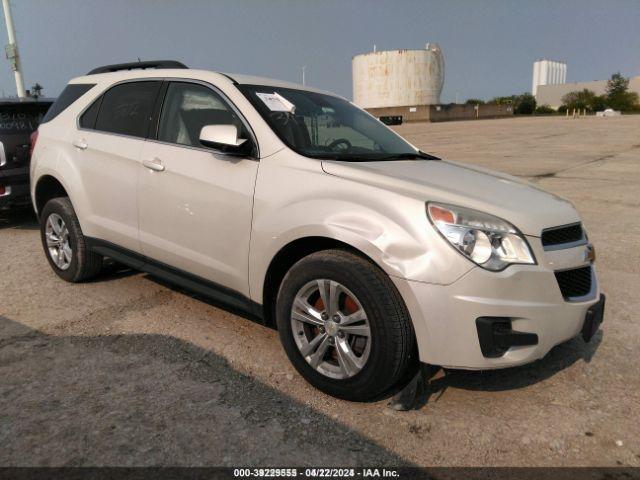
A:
526, 206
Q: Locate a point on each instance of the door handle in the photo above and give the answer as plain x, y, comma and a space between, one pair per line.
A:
155, 164
81, 144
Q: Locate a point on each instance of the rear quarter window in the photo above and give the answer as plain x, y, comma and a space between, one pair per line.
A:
70, 94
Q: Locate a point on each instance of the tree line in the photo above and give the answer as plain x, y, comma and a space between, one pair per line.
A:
617, 97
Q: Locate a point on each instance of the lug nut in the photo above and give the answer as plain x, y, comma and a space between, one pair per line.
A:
336, 318
324, 316
331, 340
341, 334
321, 329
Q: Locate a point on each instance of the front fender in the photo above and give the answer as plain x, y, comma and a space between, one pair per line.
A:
295, 200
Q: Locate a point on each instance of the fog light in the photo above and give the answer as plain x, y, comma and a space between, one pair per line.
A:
496, 336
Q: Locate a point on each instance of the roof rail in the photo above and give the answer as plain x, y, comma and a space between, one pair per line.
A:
137, 65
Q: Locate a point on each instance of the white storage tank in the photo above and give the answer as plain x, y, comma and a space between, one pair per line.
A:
397, 78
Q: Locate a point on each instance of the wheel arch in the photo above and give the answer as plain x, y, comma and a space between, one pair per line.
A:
56, 174
287, 256
47, 187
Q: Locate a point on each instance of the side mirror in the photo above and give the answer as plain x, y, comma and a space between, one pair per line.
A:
223, 138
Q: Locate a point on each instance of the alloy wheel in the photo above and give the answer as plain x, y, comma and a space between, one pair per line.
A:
57, 237
331, 329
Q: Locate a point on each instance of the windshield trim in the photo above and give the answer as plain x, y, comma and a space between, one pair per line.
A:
245, 89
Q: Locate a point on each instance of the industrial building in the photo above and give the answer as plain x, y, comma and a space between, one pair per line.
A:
552, 94
548, 72
405, 86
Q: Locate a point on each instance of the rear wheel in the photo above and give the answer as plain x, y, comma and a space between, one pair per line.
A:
64, 244
344, 325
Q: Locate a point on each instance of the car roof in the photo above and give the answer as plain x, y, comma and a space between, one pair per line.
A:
189, 73
270, 82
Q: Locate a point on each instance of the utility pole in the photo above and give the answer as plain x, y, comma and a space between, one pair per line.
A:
12, 49
304, 68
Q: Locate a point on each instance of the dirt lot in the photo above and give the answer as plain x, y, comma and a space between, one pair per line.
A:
126, 371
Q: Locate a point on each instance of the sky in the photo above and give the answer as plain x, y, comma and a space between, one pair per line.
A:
489, 46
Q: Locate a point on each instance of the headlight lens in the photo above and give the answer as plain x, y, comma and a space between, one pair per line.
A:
486, 240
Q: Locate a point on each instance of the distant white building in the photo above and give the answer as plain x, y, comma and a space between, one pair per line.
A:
552, 94
548, 72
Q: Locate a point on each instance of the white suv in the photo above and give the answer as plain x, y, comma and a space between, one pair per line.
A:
294, 206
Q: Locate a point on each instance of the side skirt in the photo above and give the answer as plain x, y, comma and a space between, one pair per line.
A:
180, 278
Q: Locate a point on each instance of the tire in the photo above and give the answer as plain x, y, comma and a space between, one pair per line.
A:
84, 264
392, 350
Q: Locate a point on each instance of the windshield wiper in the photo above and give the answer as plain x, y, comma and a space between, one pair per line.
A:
409, 156
348, 157
354, 157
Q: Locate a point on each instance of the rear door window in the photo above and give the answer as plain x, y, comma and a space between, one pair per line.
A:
88, 118
126, 108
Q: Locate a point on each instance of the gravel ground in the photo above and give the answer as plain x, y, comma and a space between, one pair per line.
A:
126, 371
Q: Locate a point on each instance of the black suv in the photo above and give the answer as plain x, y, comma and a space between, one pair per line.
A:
19, 119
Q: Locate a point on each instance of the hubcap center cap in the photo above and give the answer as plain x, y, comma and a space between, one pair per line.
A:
331, 327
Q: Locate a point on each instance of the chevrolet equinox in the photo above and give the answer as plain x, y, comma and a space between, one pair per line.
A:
292, 205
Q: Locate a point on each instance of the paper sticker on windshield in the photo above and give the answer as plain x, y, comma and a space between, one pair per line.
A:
276, 102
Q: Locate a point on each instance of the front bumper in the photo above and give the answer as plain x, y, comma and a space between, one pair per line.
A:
445, 316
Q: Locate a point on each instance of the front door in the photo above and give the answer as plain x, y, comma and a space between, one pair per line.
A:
195, 203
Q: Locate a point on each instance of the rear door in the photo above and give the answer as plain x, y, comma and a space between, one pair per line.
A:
108, 144
195, 203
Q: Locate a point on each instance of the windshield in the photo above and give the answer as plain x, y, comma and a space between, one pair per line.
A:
323, 126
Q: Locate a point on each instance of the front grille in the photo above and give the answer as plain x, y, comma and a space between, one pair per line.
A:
561, 235
574, 283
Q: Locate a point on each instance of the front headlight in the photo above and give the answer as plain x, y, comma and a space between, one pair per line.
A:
486, 240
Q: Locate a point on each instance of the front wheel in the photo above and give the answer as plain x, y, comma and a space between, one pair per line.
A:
344, 325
